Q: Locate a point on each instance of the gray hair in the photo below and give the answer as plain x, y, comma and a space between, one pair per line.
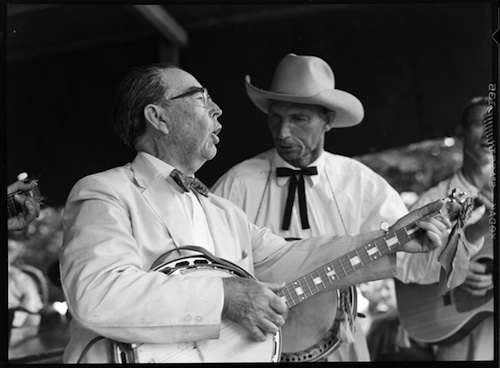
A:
140, 87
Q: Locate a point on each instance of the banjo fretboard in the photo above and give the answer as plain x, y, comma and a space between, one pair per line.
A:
341, 267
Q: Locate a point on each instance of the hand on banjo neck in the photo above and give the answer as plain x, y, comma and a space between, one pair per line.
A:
262, 312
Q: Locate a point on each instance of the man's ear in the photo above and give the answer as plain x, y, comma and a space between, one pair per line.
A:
330, 118
154, 116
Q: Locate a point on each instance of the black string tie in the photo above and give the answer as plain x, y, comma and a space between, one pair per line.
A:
292, 186
188, 183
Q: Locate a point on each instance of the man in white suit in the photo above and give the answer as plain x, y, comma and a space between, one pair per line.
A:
118, 222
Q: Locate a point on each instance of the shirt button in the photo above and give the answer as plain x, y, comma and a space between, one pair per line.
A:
198, 318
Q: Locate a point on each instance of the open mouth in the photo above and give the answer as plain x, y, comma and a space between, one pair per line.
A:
215, 138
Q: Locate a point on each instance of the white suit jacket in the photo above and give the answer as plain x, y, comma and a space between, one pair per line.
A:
118, 222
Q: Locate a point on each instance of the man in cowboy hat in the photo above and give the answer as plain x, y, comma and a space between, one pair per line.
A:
336, 194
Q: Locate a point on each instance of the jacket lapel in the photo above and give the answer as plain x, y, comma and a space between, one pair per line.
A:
162, 195
225, 245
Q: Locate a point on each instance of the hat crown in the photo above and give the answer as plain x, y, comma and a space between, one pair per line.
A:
302, 76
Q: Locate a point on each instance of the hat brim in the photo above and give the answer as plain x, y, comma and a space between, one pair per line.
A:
348, 109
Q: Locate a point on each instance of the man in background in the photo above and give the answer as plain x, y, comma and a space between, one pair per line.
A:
475, 179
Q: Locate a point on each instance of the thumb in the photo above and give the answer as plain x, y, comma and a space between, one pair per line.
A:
417, 214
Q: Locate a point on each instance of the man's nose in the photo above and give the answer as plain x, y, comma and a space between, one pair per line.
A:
217, 111
284, 130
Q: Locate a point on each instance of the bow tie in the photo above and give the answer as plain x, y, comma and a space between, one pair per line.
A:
188, 183
292, 186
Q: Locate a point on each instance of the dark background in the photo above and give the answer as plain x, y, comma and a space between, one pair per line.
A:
413, 66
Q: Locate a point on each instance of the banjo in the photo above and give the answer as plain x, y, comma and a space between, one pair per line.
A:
234, 343
313, 328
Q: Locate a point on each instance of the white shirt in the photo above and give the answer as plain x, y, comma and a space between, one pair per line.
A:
346, 197
200, 234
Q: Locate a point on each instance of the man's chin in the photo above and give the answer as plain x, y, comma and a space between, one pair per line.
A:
288, 154
210, 154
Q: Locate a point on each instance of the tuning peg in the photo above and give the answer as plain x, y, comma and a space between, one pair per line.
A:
384, 226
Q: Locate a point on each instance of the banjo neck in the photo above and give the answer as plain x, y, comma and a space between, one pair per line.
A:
329, 274
458, 206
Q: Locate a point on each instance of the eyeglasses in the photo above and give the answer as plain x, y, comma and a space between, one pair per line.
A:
203, 90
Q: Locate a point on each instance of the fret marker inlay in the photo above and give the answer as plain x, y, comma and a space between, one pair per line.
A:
372, 251
331, 273
299, 290
392, 241
318, 280
411, 231
355, 261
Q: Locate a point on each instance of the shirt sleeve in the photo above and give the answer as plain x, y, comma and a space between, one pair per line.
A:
421, 268
381, 202
277, 260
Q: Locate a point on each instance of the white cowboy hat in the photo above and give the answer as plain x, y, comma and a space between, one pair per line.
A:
308, 80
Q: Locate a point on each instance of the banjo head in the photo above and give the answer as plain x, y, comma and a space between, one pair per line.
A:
312, 328
234, 343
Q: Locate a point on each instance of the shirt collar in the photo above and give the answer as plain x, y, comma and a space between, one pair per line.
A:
278, 161
164, 168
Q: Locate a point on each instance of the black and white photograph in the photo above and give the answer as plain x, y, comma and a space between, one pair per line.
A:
245, 182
